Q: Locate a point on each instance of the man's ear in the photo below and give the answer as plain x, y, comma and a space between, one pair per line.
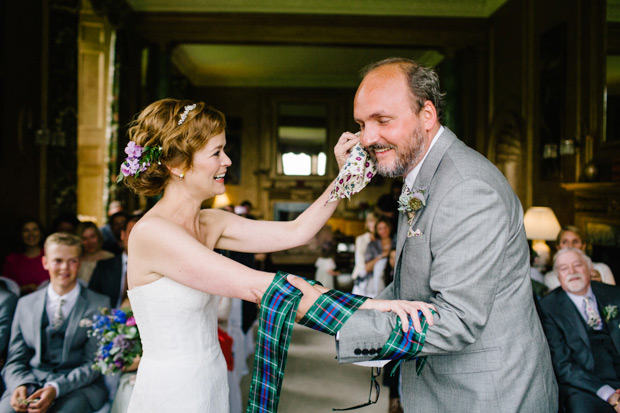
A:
428, 115
44, 261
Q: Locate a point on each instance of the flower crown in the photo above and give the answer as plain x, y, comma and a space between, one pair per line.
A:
138, 159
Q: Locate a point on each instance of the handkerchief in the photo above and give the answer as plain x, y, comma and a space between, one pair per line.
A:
354, 175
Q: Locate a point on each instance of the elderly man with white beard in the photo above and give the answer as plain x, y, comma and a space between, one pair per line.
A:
581, 321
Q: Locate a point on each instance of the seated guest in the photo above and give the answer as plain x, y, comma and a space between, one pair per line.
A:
65, 222
24, 266
48, 366
570, 236
92, 241
112, 232
581, 322
110, 276
8, 301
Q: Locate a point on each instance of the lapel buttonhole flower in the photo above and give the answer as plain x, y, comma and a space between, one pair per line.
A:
610, 311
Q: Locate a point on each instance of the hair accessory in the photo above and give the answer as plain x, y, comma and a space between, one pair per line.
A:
182, 175
188, 108
138, 159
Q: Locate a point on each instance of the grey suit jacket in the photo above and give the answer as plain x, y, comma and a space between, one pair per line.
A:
487, 351
24, 361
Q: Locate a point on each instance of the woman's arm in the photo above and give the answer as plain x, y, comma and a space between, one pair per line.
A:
240, 234
159, 248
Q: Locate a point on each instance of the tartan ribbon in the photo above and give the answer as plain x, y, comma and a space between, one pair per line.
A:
331, 310
403, 347
275, 327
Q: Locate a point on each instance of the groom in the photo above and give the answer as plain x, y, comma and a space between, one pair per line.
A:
464, 251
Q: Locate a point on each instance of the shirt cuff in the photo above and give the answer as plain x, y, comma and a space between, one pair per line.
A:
54, 385
605, 392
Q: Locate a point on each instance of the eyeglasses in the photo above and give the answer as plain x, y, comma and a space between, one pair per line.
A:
374, 373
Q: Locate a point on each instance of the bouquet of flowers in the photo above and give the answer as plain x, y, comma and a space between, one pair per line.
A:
119, 340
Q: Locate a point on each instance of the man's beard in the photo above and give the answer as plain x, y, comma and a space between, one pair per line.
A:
575, 285
407, 155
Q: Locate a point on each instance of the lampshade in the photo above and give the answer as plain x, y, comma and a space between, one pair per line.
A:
541, 224
220, 201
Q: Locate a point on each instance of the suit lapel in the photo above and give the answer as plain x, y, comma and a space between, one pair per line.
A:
603, 299
429, 167
39, 312
573, 318
427, 171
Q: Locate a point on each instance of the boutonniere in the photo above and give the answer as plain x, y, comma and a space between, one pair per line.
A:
610, 311
412, 201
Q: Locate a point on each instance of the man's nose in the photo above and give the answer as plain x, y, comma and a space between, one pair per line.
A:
369, 137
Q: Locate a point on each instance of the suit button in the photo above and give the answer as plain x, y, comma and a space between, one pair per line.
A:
365, 352
357, 352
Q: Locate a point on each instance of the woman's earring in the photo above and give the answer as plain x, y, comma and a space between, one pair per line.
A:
182, 175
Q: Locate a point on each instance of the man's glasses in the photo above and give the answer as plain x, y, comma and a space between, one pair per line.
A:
373, 396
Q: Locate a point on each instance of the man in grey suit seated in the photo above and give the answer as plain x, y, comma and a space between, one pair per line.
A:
581, 321
460, 246
48, 366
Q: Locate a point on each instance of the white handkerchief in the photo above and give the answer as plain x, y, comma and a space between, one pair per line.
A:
354, 175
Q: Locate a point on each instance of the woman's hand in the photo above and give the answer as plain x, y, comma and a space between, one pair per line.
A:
346, 142
403, 309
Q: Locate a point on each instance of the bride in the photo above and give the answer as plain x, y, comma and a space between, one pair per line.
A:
173, 273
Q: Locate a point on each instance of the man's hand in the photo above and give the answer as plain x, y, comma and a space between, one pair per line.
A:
45, 396
403, 310
310, 294
346, 142
18, 399
614, 400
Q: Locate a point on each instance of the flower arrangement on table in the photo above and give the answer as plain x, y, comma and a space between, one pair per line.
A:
118, 338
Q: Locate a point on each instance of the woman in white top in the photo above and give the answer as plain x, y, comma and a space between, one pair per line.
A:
570, 237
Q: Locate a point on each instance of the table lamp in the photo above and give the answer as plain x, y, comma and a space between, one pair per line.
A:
541, 225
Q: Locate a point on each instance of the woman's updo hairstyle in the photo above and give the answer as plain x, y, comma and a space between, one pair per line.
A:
158, 125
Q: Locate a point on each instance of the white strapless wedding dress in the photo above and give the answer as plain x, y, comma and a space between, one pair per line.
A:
182, 367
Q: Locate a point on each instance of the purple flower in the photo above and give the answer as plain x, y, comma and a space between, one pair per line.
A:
118, 363
125, 170
132, 150
357, 158
369, 175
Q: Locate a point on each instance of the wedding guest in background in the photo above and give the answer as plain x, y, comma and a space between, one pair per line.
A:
377, 251
92, 241
361, 243
387, 204
50, 354
582, 326
24, 266
110, 275
326, 266
571, 237
65, 222
112, 232
8, 301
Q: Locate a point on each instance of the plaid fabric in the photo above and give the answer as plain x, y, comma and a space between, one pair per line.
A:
275, 327
404, 347
331, 310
